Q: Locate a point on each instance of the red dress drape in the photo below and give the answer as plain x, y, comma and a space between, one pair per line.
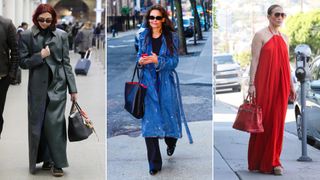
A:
272, 82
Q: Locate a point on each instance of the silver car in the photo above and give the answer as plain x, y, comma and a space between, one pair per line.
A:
312, 109
227, 73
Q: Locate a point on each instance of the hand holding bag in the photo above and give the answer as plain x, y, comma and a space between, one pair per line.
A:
134, 94
249, 117
80, 127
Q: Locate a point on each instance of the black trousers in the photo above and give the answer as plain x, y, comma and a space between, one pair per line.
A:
4, 85
82, 54
153, 150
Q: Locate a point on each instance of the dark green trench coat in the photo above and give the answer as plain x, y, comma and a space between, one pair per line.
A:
47, 89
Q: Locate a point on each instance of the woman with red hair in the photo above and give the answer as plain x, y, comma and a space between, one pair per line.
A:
44, 52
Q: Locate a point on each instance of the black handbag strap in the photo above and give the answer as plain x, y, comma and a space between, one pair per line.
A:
136, 70
75, 106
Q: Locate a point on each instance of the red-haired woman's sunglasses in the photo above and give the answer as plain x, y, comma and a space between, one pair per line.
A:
42, 20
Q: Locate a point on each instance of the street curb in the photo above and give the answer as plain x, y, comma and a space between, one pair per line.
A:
197, 84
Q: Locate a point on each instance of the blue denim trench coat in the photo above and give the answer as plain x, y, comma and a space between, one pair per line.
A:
163, 107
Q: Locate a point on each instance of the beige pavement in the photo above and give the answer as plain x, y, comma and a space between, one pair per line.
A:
231, 148
127, 157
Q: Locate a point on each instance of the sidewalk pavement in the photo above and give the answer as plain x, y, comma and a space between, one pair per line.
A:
127, 157
197, 69
86, 158
230, 148
121, 34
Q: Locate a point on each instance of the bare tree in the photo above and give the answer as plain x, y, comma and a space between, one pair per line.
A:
196, 19
182, 39
205, 14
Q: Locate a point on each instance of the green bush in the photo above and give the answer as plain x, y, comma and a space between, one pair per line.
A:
243, 58
304, 28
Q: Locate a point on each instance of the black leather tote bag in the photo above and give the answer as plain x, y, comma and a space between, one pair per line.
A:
134, 94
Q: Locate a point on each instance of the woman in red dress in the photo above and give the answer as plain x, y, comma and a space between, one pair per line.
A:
271, 84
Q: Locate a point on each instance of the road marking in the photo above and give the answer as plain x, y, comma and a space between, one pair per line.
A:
131, 40
117, 46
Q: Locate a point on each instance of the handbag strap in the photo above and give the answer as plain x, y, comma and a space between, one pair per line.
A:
251, 100
76, 105
181, 109
73, 108
136, 70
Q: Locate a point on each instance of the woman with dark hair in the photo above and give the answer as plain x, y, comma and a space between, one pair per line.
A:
271, 85
158, 57
44, 51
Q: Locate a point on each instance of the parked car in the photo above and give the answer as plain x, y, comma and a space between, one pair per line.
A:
187, 27
201, 21
312, 109
228, 74
136, 37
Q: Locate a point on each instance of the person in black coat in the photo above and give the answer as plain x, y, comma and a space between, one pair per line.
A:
44, 51
9, 60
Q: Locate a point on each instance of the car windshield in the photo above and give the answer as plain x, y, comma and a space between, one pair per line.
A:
186, 21
191, 20
223, 60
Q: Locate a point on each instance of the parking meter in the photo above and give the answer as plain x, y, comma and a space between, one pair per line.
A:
300, 64
303, 53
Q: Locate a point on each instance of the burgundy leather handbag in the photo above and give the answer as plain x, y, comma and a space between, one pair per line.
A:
249, 117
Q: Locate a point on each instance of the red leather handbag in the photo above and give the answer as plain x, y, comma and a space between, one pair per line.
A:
249, 117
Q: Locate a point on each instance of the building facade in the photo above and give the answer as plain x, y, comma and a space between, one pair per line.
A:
22, 10
18, 10
80, 10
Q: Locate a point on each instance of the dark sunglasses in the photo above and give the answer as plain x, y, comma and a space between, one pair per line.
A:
42, 20
283, 15
155, 17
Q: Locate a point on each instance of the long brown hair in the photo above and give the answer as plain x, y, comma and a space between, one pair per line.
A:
167, 26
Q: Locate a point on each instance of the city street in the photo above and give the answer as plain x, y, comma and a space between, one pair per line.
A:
197, 97
86, 158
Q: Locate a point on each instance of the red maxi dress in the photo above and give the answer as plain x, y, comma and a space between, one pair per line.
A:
272, 83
